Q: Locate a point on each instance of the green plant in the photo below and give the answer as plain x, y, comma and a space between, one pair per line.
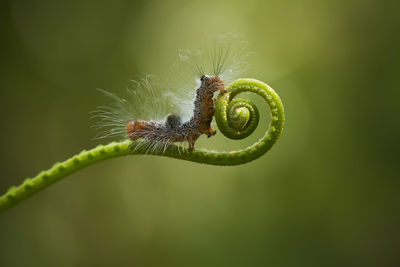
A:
236, 119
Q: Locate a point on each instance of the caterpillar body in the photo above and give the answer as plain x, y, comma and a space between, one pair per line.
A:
173, 129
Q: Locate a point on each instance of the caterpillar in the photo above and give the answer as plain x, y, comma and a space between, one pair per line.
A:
143, 117
173, 130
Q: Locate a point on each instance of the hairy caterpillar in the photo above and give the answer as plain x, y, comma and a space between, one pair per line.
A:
191, 118
173, 130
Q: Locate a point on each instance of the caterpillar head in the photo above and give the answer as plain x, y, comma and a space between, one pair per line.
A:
212, 83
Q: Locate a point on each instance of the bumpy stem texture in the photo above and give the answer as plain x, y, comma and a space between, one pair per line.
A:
236, 119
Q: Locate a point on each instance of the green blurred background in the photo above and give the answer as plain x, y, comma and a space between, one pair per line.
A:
327, 194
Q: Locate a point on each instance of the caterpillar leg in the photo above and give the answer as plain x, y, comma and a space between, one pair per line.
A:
211, 132
222, 91
191, 144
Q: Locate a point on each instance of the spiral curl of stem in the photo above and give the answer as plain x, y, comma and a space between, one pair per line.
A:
236, 119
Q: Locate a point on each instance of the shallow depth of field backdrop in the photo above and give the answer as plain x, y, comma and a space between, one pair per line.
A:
327, 194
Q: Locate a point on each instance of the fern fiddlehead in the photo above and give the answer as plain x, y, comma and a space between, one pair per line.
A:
236, 119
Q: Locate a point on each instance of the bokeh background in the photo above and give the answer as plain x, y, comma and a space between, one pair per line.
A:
327, 194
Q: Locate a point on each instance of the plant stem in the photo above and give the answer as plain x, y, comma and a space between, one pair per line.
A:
236, 118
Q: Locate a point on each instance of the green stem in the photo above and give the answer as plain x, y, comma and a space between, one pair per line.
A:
236, 119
